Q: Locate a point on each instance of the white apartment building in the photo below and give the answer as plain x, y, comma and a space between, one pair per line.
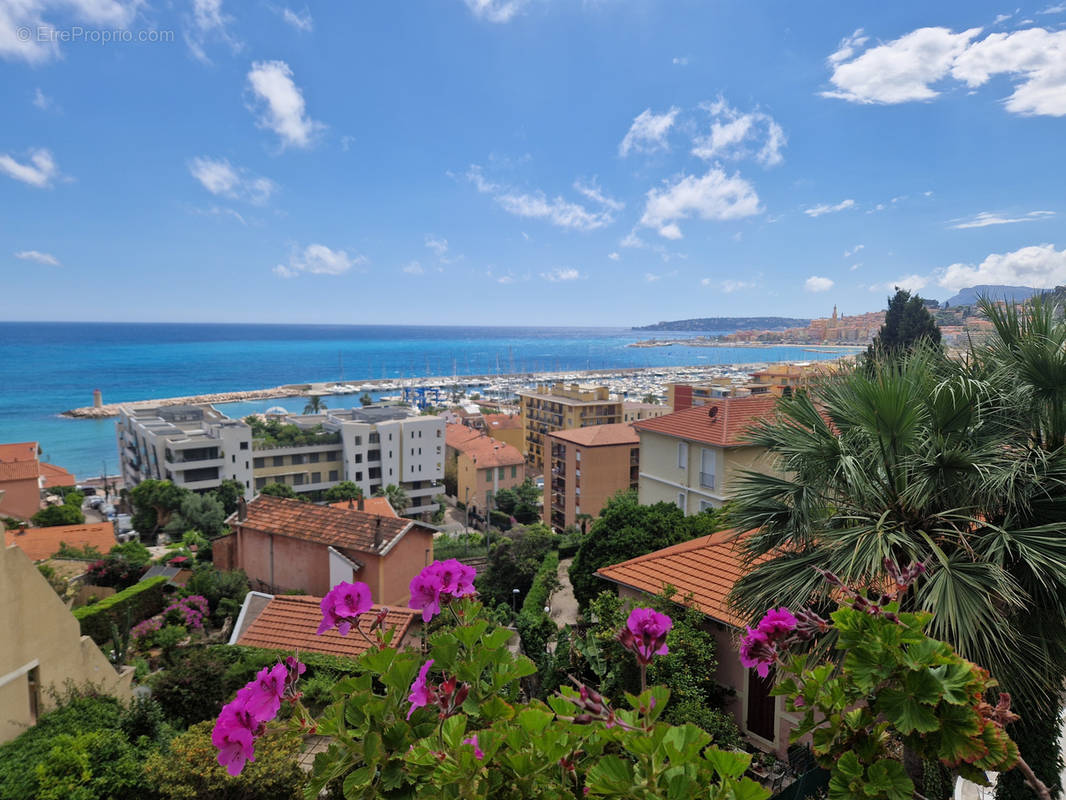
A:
195, 447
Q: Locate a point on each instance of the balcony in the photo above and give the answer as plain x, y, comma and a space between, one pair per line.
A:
707, 480
194, 463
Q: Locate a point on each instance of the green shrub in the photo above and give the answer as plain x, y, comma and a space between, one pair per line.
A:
98, 765
144, 599
190, 689
58, 515
189, 770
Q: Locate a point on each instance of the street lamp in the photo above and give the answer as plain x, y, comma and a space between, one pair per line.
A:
514, 599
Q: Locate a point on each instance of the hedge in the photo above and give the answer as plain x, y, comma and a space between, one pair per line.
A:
144, 599
534, 626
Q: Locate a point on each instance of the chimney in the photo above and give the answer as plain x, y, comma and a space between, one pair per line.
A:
351, 504
377, 532
242, 510
362, 503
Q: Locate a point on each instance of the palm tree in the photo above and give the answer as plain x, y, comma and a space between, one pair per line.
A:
922, 458
396, 496
315, 405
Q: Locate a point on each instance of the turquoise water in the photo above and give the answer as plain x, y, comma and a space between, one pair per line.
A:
47, 368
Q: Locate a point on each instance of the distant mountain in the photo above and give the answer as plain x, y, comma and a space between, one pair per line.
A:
968, 297
727, 324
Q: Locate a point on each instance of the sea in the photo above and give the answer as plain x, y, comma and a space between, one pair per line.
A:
49, 367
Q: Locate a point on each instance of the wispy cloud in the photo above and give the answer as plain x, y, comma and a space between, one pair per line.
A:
39, 170
558, 211
648, 132
22, 17
43, 101
414, 268
910, 283
280, 104
653, 277
735, 134
495, 10
317, 259
208, 23
222, 179
825, 208
853, 250
986, 218
561, 274
38, 257
301, 21
816, 283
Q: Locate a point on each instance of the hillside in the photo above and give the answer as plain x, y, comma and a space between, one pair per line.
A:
968, 296
727, 324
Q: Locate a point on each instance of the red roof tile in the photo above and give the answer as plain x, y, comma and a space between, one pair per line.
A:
725, 429
289, 623
499, 422
594, 435
704, 568
56, 476
18, 451
488, 452
41, 543
355, 530
379, 506
456, 435
19, 471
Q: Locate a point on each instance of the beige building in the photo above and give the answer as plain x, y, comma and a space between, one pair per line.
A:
484, 466
559, 408
633, 411
693, 457
43, 647
505, 427
588, 467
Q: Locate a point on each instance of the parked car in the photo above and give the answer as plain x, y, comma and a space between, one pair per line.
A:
94, 502
539, 482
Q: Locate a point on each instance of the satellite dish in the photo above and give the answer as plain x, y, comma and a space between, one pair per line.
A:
713, 413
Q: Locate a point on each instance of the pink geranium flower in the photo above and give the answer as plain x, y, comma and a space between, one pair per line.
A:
421, 693
262, 697
756, 650
477, 750
342, 605
777, 623
647, 631
440, 582
426, 591
233, 735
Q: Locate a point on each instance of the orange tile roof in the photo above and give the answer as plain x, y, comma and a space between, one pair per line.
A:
41, 543
378, 506
18, 451
456, 435
19, 471
703, 571
289, 623
56, 476
501, 422
596, 435
735, 415
355, 530
488, 452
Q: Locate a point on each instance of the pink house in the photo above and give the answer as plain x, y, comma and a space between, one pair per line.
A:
703, 571
288, 545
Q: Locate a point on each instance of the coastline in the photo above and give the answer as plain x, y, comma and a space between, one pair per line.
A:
711, 343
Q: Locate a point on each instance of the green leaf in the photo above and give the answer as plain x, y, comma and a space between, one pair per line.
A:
684, 742
905, 713
359, 779
848, 767
496, 708
887, 779
727, 763
534, 720
610, 775
924, 685
955, 679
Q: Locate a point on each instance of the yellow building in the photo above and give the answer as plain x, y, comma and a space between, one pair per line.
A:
693, 457
504, 427
559, 408
484, 466
43, 647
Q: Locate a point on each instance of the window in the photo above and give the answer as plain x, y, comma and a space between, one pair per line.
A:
260, 463
412, 451
312, 458
374, 438
246, 465
706, 505
297, 459
499, 473
514, 472
333, 475
708, 463
33, 680
359, 477
358, 441
316, 477
438, 449
681, 500
420, 451
488, 474
234, 457
298, 479
577, 456
358, 458
260, 483
244, 445
438, 433
682, 455
279, 461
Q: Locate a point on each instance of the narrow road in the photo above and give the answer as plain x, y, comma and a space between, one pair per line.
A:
563, 603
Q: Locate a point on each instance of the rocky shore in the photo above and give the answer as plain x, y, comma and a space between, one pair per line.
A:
112, 409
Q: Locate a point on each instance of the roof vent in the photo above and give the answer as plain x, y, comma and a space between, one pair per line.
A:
242, 509
713, 413
377, 533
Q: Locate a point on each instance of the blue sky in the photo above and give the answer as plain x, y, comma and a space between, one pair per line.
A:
606, 162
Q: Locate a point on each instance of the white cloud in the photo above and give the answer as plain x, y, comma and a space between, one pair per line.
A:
221, 178
414, 268
714, 196
221, 211
1035, 58
438, 246
735, 134
318, 259
40, 170
301, 21
495, 10
208, 23
613, 256
898, 71
22, 16
561, 274
910, 283
853, 250
907, 68
854, 267
653, 277
648, 132
816, 283
536, 205
680, 61
1038, 266
281, 103
593, 192
43, 101
38, 257
730, 285
1001, 18
986, 218
1057, 9
825, 208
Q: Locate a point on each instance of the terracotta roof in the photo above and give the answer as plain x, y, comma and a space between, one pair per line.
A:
379, 506
56, 476
455, 435
41, 543
488, 452
18, 451
355, 530
501, 422
705, 568
595, 435
735, 415
289, 622
19, 471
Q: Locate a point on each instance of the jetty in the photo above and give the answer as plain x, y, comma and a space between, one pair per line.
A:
112, 409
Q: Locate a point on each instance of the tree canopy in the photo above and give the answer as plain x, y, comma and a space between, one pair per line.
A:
345, 490
907, 323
